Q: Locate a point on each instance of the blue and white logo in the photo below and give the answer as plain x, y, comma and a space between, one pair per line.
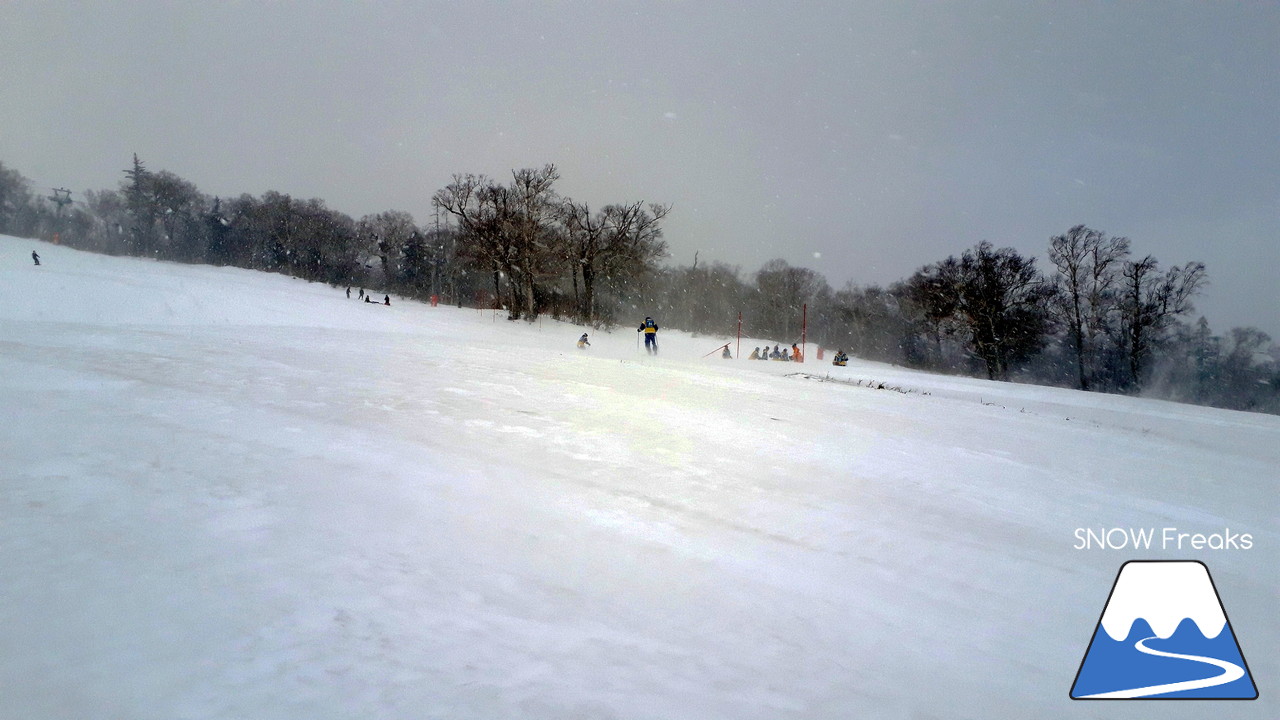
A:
1164, 635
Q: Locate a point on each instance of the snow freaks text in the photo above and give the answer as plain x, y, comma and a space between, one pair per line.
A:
1169, 538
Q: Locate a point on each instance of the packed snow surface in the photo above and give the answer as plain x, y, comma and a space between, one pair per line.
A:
231, 494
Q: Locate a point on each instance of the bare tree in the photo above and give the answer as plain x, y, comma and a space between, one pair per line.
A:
1003, 298
1085, 289
585, 233
869, 321
534, 209
384, 235
998, 297
633, 244
480, 207
110, 213
177, 205
1150, 302
932, 297
15, 196
781, 292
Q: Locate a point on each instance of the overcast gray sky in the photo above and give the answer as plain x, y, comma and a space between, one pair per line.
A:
863, 139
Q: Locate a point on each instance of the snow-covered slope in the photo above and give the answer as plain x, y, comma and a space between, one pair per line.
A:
229, 494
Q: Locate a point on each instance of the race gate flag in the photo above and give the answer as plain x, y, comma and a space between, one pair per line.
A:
1163, 635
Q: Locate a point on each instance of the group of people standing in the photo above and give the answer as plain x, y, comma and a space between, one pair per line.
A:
792, 354
386, 299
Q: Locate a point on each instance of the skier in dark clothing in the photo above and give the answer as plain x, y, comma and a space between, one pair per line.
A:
386, 300
361, 293
348, 293
650, 330
583, 342
35, 257
368, 299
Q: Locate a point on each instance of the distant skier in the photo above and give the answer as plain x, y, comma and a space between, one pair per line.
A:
650, 330
776, 354
755, 354
796, 354
368, 299
840, 359
583, 342
361, 293
35, 257
786, 357
386, 300
348, 292
726, 354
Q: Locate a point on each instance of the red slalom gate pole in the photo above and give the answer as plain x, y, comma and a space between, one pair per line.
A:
739, 335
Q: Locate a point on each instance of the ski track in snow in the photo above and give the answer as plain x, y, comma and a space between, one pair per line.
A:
232, 494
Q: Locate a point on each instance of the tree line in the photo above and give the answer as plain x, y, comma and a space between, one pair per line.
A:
544, 251
1098, 318
519, 245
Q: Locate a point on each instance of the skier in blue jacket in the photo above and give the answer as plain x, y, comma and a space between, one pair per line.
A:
650, 330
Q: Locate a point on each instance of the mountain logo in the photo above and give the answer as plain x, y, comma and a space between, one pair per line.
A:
1163, 635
